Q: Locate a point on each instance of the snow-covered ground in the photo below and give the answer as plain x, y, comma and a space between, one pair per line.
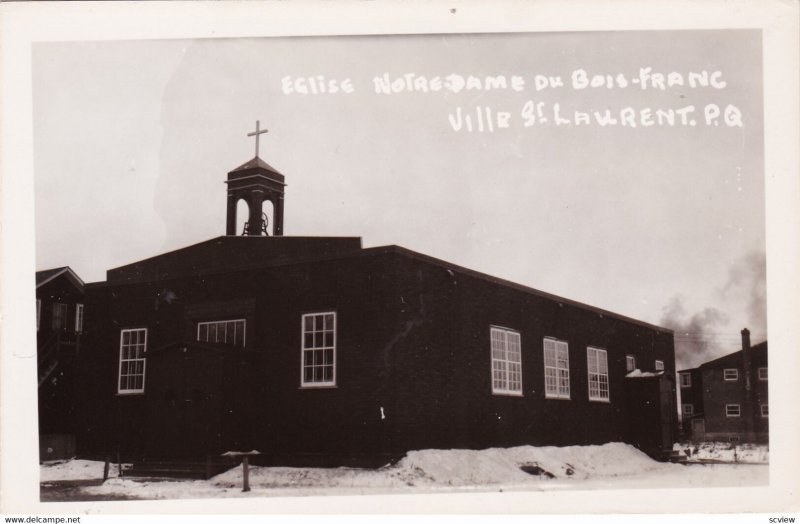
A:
75, 470
610, 466
725, 452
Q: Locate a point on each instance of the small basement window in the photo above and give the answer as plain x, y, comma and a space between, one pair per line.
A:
733, 410
730, 374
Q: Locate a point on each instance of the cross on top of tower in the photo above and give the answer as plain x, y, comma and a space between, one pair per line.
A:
256, 133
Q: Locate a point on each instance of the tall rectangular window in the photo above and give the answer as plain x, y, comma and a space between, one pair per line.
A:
762, 374
597, 361
733, 410
659, 365
319, 349
686, 380
730, 374
59, 315
556, 368
630, 363
506, 362
132, 349
228, 332
78, 318
764, 410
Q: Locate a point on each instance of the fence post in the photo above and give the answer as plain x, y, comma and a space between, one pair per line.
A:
105, 468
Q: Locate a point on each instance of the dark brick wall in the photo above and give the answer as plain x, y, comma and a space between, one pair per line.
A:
413, 362
718, 392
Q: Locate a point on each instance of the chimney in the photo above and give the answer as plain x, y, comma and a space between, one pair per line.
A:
747, 411
745, 339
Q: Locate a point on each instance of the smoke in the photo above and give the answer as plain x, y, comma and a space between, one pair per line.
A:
696, 336
747, 284
708, 334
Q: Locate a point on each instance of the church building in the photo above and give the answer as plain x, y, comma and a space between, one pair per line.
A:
318, 351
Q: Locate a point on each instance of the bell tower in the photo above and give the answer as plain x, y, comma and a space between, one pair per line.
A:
255, 182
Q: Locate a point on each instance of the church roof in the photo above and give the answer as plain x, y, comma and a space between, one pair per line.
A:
256, 164
231, 253
48, 275
236, 253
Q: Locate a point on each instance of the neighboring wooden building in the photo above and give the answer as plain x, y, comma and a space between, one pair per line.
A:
728, 398
318, 351
59, 323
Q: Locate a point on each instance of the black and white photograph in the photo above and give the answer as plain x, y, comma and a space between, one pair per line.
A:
292, 266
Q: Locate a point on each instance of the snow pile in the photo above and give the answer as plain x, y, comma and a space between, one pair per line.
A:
74, 470
499, 465
614, 465
727, 452
463, 468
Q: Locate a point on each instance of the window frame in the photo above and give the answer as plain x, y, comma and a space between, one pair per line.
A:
686, 383
728, 413
598, 397
630, 363
78, 317
303, 349
506, 387
689, 412
763, 377
59, 316
658, 365
225, 322
142, 358
763, 408
735, 374
558, 346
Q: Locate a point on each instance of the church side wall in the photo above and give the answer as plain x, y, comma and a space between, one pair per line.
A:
444, 368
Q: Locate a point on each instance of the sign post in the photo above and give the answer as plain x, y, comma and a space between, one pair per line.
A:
245, 465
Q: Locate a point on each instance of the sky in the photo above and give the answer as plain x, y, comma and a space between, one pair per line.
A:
663, 223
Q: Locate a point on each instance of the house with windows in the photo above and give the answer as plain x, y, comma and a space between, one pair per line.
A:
316, 350
59, 324
728, 398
